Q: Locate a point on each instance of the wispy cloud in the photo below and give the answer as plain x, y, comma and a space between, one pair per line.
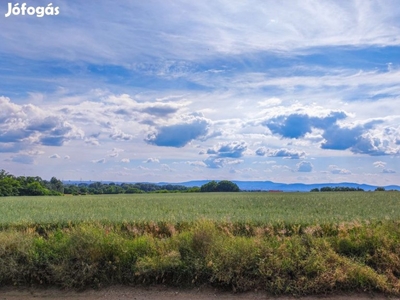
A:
312, 85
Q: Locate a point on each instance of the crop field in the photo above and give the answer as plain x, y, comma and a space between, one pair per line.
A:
281, 243
252, 208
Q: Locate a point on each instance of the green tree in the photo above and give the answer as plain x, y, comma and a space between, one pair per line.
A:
209, 187
222, 186
56, 185
36, 189
227, 186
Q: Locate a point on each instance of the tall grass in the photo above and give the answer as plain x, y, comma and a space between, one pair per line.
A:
360, 256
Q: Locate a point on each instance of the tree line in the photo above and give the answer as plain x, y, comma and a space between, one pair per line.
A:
97, 188
11, 185
337, 189
343, 189
137, 188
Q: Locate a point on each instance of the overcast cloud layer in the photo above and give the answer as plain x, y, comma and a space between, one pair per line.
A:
287, 91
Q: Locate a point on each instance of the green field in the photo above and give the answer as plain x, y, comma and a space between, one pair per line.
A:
255, 208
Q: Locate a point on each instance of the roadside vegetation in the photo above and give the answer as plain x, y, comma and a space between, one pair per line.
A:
275, 258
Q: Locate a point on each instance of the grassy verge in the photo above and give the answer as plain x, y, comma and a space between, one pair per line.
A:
278, 258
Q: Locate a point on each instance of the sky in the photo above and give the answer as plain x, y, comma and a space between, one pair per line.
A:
171, 91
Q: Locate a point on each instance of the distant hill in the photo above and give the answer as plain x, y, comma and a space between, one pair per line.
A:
289, 187
266, 185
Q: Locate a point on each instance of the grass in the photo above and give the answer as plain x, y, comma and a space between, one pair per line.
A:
256, 208
283, 243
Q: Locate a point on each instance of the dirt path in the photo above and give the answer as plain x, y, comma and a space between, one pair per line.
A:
160, 293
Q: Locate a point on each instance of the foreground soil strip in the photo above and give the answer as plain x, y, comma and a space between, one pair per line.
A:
163, 293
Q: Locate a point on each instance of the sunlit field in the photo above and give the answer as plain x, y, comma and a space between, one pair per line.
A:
256, 208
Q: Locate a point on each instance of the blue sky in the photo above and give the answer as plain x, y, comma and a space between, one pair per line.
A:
299, 91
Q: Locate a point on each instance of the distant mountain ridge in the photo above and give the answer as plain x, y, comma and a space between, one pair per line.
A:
289, 187
263, 185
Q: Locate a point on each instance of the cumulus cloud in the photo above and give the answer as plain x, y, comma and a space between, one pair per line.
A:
382, 164
341, 138
234, 161
115, 152
151, 160
196, 163
165, 167
298, 125
304, 166
375, 146
232, 149
67, 157
124, 105
28, 125
214, 162
9, 109
99, 161
359, 139
225, 154
92, 141
261, 151
379, 164
160, 109
336, 170
125, 160
180, 134
54, 131
284, 153
119, 135
54, 156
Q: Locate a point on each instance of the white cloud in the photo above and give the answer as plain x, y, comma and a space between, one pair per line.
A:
284, 153
151, 160
117, 134
379, 164
304, 166
115, 152
196, 163
99, 161
234, 78
193, 126
333, 169
92, 141
231, 149
192, 30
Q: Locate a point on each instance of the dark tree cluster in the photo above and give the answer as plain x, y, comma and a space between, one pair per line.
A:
11, 185
337, 189
96, 188
221, 186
